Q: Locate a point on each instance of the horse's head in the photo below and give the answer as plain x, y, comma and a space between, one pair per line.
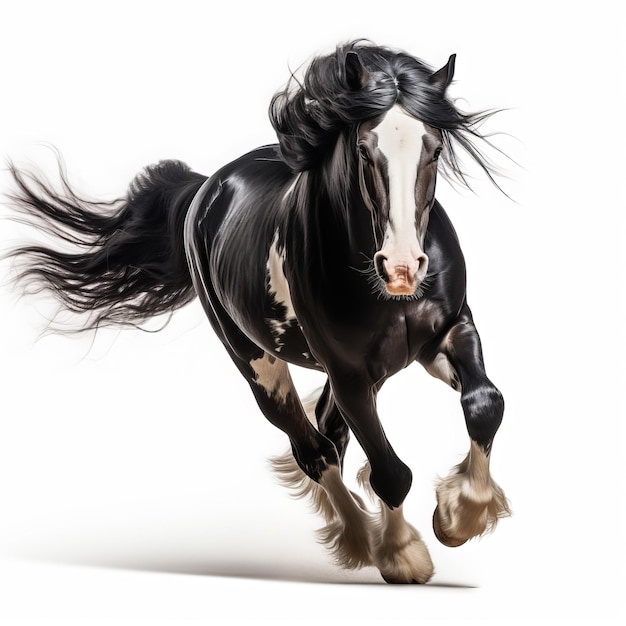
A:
397, 173
373, 123
398, 156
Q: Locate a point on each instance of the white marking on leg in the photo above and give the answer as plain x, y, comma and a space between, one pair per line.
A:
398, 550
469, 501
273, 375
399, 553
292, 477
349, 535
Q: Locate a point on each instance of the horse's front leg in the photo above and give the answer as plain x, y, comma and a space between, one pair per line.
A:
396, 547
469, 502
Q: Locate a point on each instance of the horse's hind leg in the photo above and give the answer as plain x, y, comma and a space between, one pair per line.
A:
323, 413
348, 529
317, 457
469, 502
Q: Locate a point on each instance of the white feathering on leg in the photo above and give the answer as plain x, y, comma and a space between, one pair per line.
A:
398, 551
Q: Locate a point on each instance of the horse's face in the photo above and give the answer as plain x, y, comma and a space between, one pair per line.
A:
398, 170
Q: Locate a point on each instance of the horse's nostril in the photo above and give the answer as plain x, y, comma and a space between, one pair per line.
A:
379, 264
422, 267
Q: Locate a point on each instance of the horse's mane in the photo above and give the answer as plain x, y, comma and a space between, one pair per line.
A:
310, 114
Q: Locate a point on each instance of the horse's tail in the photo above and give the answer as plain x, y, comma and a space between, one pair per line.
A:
115, 263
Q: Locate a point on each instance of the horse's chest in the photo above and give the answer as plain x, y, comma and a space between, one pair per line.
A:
389, 337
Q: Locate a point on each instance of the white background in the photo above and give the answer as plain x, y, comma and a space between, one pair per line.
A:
133, 475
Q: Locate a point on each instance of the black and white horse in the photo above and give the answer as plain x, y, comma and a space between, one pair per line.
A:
328, 251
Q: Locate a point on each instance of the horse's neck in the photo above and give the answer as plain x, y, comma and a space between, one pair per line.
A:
332, 243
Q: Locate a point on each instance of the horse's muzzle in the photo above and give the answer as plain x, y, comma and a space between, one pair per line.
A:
401, 277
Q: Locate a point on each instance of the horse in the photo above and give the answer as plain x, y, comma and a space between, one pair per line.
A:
328, 251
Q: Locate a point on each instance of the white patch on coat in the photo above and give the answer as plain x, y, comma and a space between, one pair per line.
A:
278, 289
273, 375
442, 368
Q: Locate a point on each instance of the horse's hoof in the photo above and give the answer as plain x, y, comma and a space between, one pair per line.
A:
391, 581
451, 542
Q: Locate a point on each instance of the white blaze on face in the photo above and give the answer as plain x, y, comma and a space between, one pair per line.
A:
400, 140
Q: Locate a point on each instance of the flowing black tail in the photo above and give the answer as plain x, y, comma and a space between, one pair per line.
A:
125, 261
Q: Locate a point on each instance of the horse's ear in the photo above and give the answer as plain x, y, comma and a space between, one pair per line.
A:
443, 77
356, 74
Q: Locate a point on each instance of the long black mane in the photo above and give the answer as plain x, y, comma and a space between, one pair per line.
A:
309, 115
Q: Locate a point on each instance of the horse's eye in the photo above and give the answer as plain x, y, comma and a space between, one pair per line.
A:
436, 154
363, 153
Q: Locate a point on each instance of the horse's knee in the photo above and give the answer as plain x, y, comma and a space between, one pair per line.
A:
315, 457
483, 407
391, 483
